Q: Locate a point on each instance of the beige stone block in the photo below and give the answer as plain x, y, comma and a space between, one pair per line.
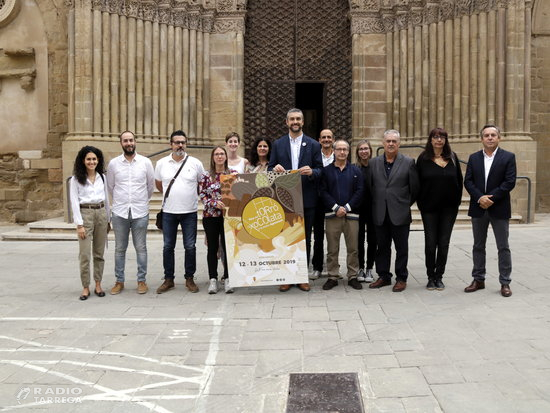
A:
375, 74
45, 163
55, 175
224, 74
11, 195
222, 60
369, 44
30, 154
221, 43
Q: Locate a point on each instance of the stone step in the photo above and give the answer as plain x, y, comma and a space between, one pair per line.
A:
55, 229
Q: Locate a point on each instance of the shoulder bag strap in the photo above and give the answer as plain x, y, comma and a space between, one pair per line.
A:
172, 181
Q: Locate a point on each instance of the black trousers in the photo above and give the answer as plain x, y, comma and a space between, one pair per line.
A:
365, 220
213, 228
438, 227
318, 238
309, 218
399, 234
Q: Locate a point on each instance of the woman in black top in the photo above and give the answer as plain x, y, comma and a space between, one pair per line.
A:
363, 153
439, 198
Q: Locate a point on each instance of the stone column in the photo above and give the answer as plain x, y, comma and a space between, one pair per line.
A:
132, 63
155, 70
83, 59
465, 77
97, 69
105, 72
193, 83
123, 82
115, 70
199, 86
473, 76
185, 81
206, 88
171, 73
162, 80
145, 61
482, 72
178, 70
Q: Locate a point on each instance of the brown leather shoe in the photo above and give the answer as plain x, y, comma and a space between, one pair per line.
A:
168, 284
474, 286
191, 286
284, 288
303, 287
117, 288
142, 287
399, 286
505, 290
380, 282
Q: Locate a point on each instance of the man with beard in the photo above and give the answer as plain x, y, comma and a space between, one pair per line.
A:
296, 151
179, 208
326, 139
130, 182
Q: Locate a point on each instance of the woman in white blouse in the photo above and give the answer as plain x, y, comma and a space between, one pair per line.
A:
90, 207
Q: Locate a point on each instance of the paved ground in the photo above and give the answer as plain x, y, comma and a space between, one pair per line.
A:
416, 351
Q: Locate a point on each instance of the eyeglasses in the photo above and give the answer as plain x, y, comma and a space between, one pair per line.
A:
177, 143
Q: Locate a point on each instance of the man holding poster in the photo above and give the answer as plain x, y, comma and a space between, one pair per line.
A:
296, 151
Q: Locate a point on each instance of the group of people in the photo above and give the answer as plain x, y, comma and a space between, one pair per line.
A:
365, 200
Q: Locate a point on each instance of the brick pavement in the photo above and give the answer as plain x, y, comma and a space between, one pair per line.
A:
416, 351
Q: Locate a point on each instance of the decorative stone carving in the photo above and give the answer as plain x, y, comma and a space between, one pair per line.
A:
229, 24
8, 11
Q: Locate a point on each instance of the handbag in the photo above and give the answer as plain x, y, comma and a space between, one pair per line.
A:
158, 221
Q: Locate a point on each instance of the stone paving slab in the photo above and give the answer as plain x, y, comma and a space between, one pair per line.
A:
416, 351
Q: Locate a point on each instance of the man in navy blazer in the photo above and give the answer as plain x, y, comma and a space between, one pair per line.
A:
298, 151
490, 177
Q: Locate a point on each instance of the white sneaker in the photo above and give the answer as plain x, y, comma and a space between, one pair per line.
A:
213, 286
368, 276
228, 289
361, 275
315, 275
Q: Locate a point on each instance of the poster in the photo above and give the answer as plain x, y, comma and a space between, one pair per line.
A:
264, 229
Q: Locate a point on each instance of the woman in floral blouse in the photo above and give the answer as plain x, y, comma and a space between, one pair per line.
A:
212, 218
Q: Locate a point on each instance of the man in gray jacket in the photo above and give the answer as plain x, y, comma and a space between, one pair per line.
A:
394, 185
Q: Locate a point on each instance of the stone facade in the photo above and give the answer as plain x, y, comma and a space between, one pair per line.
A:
80, 71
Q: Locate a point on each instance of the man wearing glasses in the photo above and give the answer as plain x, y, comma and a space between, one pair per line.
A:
342, 186
179, 208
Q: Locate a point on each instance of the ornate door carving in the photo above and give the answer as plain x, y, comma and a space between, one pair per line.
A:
290, 41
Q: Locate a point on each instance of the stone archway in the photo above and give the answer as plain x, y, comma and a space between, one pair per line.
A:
297, 52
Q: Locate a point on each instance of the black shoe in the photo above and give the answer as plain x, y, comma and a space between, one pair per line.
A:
439, 286
355, 284
99, 293
330, 284
431, 284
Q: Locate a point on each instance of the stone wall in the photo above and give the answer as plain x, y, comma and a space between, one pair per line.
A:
30, 187
540, 100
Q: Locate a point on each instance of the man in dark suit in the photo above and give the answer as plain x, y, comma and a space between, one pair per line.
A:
490, 176
394, 185
298, 151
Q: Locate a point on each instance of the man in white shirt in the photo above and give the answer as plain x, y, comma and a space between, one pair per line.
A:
179, 208
489, 179
326, 139
130, 183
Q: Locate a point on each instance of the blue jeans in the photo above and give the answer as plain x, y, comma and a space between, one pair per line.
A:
170, 223
122, 228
